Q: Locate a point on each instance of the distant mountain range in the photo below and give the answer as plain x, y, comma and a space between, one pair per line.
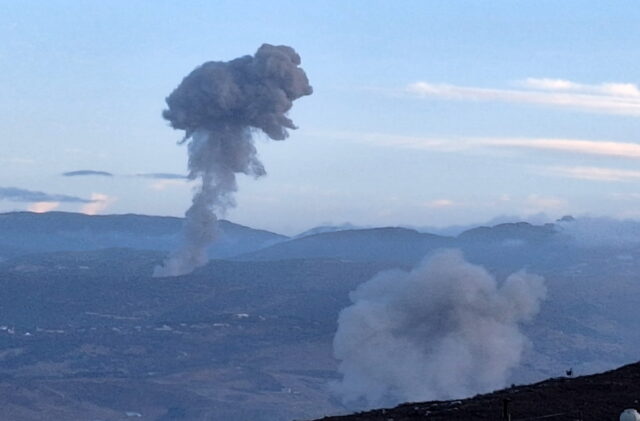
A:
327, 228
400, 245
248, 336
27, 232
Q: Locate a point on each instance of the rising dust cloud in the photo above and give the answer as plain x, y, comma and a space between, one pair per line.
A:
446, 329
220, 105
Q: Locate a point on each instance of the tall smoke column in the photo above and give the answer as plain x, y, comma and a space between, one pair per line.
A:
220, 105
444, 330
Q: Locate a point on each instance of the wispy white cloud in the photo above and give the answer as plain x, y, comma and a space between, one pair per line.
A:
589, 147
42, 207
439, 203
454, 144
548, 84
609, 98
16, 194
595, 173
161, 185
99, 203
616, 89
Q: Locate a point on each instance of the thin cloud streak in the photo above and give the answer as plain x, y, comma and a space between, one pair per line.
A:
574, 146
16, 194
589, 147
163, 184
615, 89
607, 99
154, 176
82, 173
595, 173
162, 176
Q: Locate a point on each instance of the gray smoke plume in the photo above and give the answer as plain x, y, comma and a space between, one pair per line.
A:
220, 105
444, 330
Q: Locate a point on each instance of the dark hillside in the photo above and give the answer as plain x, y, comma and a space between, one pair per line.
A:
27, 232
399, 245
588, 398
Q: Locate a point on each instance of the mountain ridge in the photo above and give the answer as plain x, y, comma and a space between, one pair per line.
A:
31, 232
28, 232
595, 397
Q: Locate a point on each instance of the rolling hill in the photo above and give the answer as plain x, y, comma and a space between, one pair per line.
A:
27, 232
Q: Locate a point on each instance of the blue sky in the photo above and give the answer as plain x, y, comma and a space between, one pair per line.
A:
425, 113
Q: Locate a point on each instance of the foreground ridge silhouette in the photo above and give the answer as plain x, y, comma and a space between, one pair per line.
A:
596, 397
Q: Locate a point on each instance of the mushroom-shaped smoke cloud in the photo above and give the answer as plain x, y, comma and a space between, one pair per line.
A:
219, 105
444, 330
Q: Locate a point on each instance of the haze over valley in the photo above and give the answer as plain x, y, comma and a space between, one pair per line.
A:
250, 335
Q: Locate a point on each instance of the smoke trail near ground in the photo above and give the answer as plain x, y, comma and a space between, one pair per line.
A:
219, 106
446, 329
